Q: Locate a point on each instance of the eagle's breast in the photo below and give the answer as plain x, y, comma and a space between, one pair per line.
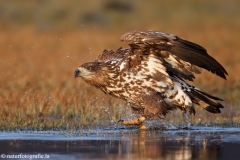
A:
134, 83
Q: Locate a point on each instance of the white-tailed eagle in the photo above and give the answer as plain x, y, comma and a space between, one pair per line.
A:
151, 75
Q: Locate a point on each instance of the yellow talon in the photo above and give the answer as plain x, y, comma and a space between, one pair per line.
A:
138, 122
142, 119
142, 127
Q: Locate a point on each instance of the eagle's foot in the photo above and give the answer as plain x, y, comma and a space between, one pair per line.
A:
142, 127
138, 122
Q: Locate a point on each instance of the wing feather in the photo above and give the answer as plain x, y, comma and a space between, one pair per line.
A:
183, 49
117, 55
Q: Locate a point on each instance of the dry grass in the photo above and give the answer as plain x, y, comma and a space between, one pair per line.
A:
37, 86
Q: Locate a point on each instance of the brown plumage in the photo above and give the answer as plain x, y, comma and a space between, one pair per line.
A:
151, 74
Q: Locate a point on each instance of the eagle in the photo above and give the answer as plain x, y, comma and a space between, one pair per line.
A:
151, 75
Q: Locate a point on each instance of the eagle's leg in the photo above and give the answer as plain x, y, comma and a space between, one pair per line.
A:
138, 122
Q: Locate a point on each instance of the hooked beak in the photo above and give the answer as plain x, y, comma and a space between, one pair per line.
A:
76, 73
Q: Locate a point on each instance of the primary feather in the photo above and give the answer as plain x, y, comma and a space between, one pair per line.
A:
151, 74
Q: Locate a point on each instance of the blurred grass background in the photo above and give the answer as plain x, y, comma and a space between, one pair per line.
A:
42, 43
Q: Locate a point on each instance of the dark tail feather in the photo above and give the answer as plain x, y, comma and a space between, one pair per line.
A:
209, 95
205, 100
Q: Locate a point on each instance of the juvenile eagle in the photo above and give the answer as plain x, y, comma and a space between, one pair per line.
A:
151, 74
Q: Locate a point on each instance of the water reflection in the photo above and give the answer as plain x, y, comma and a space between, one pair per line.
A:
165, 146
110, 144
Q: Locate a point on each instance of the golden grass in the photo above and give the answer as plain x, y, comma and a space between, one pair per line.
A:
38, 89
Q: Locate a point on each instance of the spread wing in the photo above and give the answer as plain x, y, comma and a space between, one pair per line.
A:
180, 57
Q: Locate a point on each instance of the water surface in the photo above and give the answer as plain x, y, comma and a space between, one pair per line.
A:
128, 143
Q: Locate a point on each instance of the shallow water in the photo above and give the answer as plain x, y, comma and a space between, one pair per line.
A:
129, 143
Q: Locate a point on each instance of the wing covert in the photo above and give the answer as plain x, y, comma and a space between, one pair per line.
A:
193, 54
106, 55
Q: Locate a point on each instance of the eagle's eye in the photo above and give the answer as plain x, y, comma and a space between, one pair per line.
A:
91, 66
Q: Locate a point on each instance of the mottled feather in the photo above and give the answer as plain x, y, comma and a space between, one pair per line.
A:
183, 49
151, 74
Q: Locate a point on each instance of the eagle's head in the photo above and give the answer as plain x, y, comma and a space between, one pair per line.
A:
92, 72
87, 70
